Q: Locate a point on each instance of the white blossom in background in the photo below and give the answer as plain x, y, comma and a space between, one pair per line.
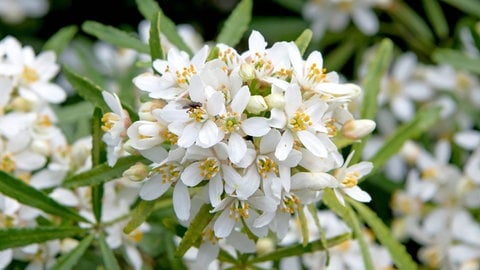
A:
16, 11
335, 15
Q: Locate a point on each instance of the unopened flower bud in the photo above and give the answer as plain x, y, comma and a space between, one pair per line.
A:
275, 101
136, 172
41, 146
357, 129
21, 104
256, 104
247, 72
264, 246
146, 109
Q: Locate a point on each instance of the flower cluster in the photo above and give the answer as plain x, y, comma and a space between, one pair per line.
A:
252, 134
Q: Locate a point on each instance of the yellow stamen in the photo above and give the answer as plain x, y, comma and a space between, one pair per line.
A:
209, 168
7, 163
109, 119
29, 75
351, 179
265, 165
300, 121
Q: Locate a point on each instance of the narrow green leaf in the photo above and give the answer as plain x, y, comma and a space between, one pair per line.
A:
457, 59
424, 119
18, 237
303, 40
339, 56
236, 24
101, 173
303, 225
139, 214
358, 234
296, 250
98, 157
398, 252
195, 229
115, 36
74, 112
406, 16
28, 195
91, 92
468, 6
377, 68
436, 17
156, 50
323, 237
109, 259
59, 41
69, 260
149, 9
331, 201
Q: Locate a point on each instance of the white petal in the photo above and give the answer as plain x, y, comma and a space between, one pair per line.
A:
191, 175
153, 188
277, 118
134, 257
215, 190
313, 144
156, 154
112, 101
29, 161
240, 101
269, 141
358, 194
237, 147
366, 20
284, 146
5, 258
312, 181
181, 201
250, 183
224, 224
216, 103
50, 92
256, 126
293, 99
189, 135
209, 135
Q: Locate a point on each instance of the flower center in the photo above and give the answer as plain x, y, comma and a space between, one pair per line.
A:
209, 168
300, 121
331, 128
136, 236
429, 173
184, 75
198, 114
231, 123
316, 74
169, 137
7, 163
29, 75
266, 165
290, 203
351, 179
109, 119
238, 211
169, 172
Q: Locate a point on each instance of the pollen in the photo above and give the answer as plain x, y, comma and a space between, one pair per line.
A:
316, 74
169, 172
30, 75
209, 235
230, 123
109, 119
136, 236
301, 121
198, 114
290, 203
44, 121
351, 179
7, 163
266, 165
209, 168
331, 128
169, 136
429, 173
183, 75
238, 212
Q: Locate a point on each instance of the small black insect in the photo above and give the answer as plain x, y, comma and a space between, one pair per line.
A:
192, 105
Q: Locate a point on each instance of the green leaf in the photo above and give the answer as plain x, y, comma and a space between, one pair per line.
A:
156, 50
436, 17
299, 249
139, 214
74, 112
332, 202
358, 234
468, 6
149, 9
91, 92
303, 40
69, 260
236, 24
291, 27
377, 67
457, 59
18, 237
323, 237
28, 195
397, 251
98, 156
194, 232
115, 36
418, 30
59, 41
109, 259
339, 56
303, 225
101, 173
424, 119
